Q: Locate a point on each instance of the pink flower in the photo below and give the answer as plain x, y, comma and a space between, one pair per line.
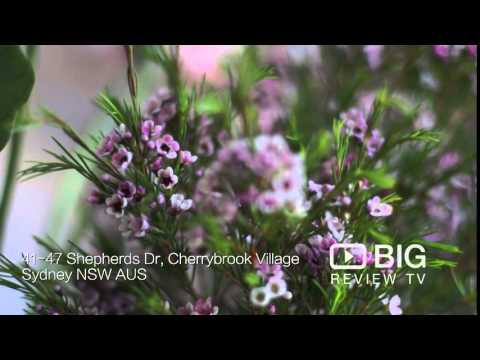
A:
472, 50
449, 160
110, 141
180, 204
206, 146
116, 205
374, 55
150, 132
187, 158
201, 307
426, 120
268, 202
134, 227
355, 123
442, 51
322, 243
167, 146
107, 146
161, 107
379, 209
269, 97
127, 190
122, 159
96, 197
374, 143
156, 164
319, 189
166, 178
393, 305
266, 271
335, 226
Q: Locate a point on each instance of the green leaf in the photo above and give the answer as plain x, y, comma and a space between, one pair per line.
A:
377, 177
319, 147
452, 249
16, 83
380, 237
440, 263
209, 104
422, 135
251, 279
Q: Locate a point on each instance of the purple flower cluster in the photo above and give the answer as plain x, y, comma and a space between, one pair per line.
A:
317, 250
355, 125
269, 97
266, 175
159, 153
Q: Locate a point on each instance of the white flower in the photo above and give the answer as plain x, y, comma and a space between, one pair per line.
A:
166, 178
179, 203
260, 297
276, 287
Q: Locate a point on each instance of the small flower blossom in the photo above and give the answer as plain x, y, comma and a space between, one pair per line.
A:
319, 189
140, 193
161, 107
206, 146
449, 160
374, 143
378, 209
322, 243
374, 55
157, 164
268, 202
110, 141
201, 307
180, 204
265, 270
260, 297
355, 123
122, 159
335, 226
96, 197
134, 226
426, 120
276, 287
472, 50
167, 146
160, 199
123, 132
127, 190
116, 205
393, 305
442, 51
107, 146
187, 158
166, 178
150, 132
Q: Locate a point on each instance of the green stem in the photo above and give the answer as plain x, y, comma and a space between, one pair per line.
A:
8, 187
13, 161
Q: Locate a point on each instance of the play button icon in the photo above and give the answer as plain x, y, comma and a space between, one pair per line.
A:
347, 256
359, 252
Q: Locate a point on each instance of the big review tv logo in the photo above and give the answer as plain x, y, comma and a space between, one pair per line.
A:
382, 256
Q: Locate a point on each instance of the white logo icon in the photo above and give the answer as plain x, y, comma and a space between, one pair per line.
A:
359, 252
